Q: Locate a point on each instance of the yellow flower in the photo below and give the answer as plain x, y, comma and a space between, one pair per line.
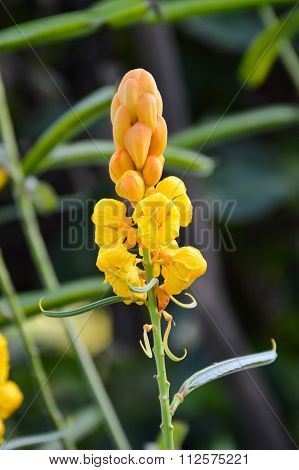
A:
158, 221
120, 269
11, 396
174, 188
3, 178
111, 223
180, 268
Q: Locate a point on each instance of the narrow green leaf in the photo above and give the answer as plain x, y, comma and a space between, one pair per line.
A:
70, 25
265, 49
71, 122
178, 9
35, 439
69, 293
86, 308
97, 152
221, 369
251, 122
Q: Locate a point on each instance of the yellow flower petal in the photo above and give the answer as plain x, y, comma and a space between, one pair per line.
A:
4, 359
174, 188
11, 398
119, 267
158, 221
181, 268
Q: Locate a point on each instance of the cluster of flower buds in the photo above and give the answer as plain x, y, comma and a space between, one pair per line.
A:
140, 136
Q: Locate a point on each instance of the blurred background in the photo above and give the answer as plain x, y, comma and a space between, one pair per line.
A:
250, 293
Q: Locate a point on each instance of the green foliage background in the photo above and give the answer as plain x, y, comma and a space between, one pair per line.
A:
202, 55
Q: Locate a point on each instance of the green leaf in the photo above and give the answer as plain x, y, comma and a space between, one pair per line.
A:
221, 369
86, 308
74, 120
71, 292
70, 25
253, 121
262, 53
179, 9
44, 196
35, 439
98, 151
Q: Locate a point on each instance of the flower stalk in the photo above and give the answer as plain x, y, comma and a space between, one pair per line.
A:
159, 355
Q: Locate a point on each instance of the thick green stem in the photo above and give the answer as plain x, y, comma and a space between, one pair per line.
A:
44, 266
158, 350
36, 364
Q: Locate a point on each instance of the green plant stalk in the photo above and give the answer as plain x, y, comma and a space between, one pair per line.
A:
45, 269
158, 350
35, 360
288, 54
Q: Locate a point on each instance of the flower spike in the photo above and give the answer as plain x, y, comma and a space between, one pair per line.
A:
171, 356
193, 304
147, 348
154, 282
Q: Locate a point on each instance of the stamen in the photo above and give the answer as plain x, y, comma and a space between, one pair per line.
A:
193, 304
147, 348
171, 356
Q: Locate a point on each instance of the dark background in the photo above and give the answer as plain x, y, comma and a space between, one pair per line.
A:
248, 296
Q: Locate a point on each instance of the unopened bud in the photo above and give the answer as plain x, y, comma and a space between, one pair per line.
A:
152, 170
115, 104
159, 137
120, 162
122, 123
131, 186
146, 107
137, 142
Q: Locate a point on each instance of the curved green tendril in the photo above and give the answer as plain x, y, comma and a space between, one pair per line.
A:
193, 304
166, 347
154, 282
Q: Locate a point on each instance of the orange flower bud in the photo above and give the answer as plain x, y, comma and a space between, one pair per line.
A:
122, 122
159, 103
120, 162
145, 79
137, 142
131, 186
152, 170
163, 298
130, 92
131, 238
146, 107
115, 104
159, 138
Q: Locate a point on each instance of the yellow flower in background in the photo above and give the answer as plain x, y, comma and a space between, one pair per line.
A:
111, 223
121, 270
3, 178
158, 221
11, 396
180, 268
174, 188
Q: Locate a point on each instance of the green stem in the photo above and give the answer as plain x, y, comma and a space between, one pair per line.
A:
288, 54
45, 269
36, 363
158, 350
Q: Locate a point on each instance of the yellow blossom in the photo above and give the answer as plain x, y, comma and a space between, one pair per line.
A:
180, 268
158, 221
3, 178
11, 396
121, 270
174, 188
111, 223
